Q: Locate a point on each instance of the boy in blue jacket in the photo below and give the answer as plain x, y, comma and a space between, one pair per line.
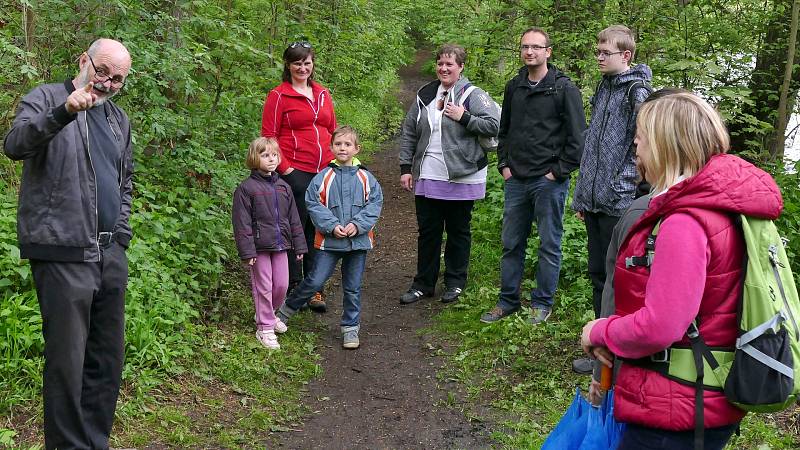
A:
344, 202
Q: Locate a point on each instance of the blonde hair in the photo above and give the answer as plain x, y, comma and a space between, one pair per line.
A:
683, 132
619, 36
259, 146
345, 130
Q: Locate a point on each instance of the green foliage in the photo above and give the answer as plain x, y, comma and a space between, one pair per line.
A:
201, 70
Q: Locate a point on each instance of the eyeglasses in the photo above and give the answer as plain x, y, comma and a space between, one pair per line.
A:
440, 102
303, 44
535, 48
117, 81
603, 54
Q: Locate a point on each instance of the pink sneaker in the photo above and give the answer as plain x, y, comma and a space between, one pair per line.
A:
268, 339
280, 327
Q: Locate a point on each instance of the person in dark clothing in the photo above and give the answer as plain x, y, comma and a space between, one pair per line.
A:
540, 144
72, 223
607, 177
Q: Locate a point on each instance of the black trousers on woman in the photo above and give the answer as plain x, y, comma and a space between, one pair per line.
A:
299, 181
434, 217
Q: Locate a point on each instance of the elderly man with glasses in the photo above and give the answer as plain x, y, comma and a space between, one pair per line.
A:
72, 223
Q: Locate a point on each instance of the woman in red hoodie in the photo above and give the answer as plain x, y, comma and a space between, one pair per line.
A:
299, 114
695, 274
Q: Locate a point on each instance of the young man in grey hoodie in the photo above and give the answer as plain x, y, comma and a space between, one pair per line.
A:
607, 181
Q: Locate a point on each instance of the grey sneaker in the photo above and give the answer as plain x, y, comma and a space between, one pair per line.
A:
539, 315
350, 337
582, 366
496, 314
285, 313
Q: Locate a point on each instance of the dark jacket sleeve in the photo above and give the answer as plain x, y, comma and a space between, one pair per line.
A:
574, 127
123, 222
243, 224
296, 227
502, 132
35, 125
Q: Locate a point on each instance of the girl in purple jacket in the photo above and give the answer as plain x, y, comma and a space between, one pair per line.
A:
265, 226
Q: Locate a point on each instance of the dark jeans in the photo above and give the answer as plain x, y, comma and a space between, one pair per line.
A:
299, 181
638, 437
83, 323
599, 228
527, 200
434, 217
353, 263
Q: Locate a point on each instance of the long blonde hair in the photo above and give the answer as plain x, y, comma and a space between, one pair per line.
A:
683, 132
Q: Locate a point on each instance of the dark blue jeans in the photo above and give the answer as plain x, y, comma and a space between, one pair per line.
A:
527, 200
353, 263
638, 437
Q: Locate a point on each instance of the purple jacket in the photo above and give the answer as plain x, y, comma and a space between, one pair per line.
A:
265, 217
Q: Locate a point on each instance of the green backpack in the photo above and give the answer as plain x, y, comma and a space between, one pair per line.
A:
762, 373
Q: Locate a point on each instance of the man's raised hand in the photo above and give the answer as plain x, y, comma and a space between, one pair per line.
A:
81, 99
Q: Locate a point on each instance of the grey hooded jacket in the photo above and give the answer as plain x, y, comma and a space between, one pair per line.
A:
57, 214
463, 154
607, 179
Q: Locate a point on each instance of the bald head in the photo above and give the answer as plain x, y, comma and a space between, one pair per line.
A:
105, 62
111, 49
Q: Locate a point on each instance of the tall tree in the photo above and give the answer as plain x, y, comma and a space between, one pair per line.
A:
753, 131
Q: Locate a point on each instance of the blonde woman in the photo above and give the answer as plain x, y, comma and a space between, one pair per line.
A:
695, 275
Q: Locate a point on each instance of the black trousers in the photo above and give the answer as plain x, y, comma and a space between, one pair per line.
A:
599, 228
299, 181
433, 218
83, 322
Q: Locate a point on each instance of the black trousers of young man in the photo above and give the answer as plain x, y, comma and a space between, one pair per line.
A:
434, 217
83, 314
599, 228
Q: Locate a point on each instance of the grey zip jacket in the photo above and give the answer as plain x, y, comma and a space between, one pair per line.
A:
607, 181
57, 214
463, 155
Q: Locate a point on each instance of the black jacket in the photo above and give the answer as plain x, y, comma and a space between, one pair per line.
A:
541, 127
57, 214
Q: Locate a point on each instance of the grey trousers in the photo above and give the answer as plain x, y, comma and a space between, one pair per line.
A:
83, 314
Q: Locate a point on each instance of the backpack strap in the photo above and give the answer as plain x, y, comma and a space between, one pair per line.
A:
462, 99
645, 260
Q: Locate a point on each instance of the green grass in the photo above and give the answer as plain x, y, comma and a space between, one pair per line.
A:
524, 372
234, 392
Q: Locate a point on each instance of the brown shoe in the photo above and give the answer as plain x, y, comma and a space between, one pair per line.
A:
317, 304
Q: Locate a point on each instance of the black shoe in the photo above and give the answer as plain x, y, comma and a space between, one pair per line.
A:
317, 303
496, 314
450, 295
412, 295
582, 366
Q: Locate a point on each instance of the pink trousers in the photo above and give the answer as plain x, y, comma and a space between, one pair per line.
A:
270, 279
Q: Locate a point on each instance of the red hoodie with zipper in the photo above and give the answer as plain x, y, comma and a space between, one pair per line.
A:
302, 126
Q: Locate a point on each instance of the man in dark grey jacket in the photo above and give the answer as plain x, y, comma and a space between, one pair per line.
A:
540, 144
72, 223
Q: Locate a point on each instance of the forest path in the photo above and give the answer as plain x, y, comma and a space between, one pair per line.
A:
386, 393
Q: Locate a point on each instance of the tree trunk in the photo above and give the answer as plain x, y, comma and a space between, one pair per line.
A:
779, 138
764, 95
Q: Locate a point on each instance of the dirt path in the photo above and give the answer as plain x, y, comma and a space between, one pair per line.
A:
385, 394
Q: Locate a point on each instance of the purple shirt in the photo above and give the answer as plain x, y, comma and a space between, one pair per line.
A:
445, 190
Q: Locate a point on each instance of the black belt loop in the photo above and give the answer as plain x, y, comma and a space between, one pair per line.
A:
105, 238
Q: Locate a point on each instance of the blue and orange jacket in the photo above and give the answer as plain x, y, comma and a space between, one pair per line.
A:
339, 195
